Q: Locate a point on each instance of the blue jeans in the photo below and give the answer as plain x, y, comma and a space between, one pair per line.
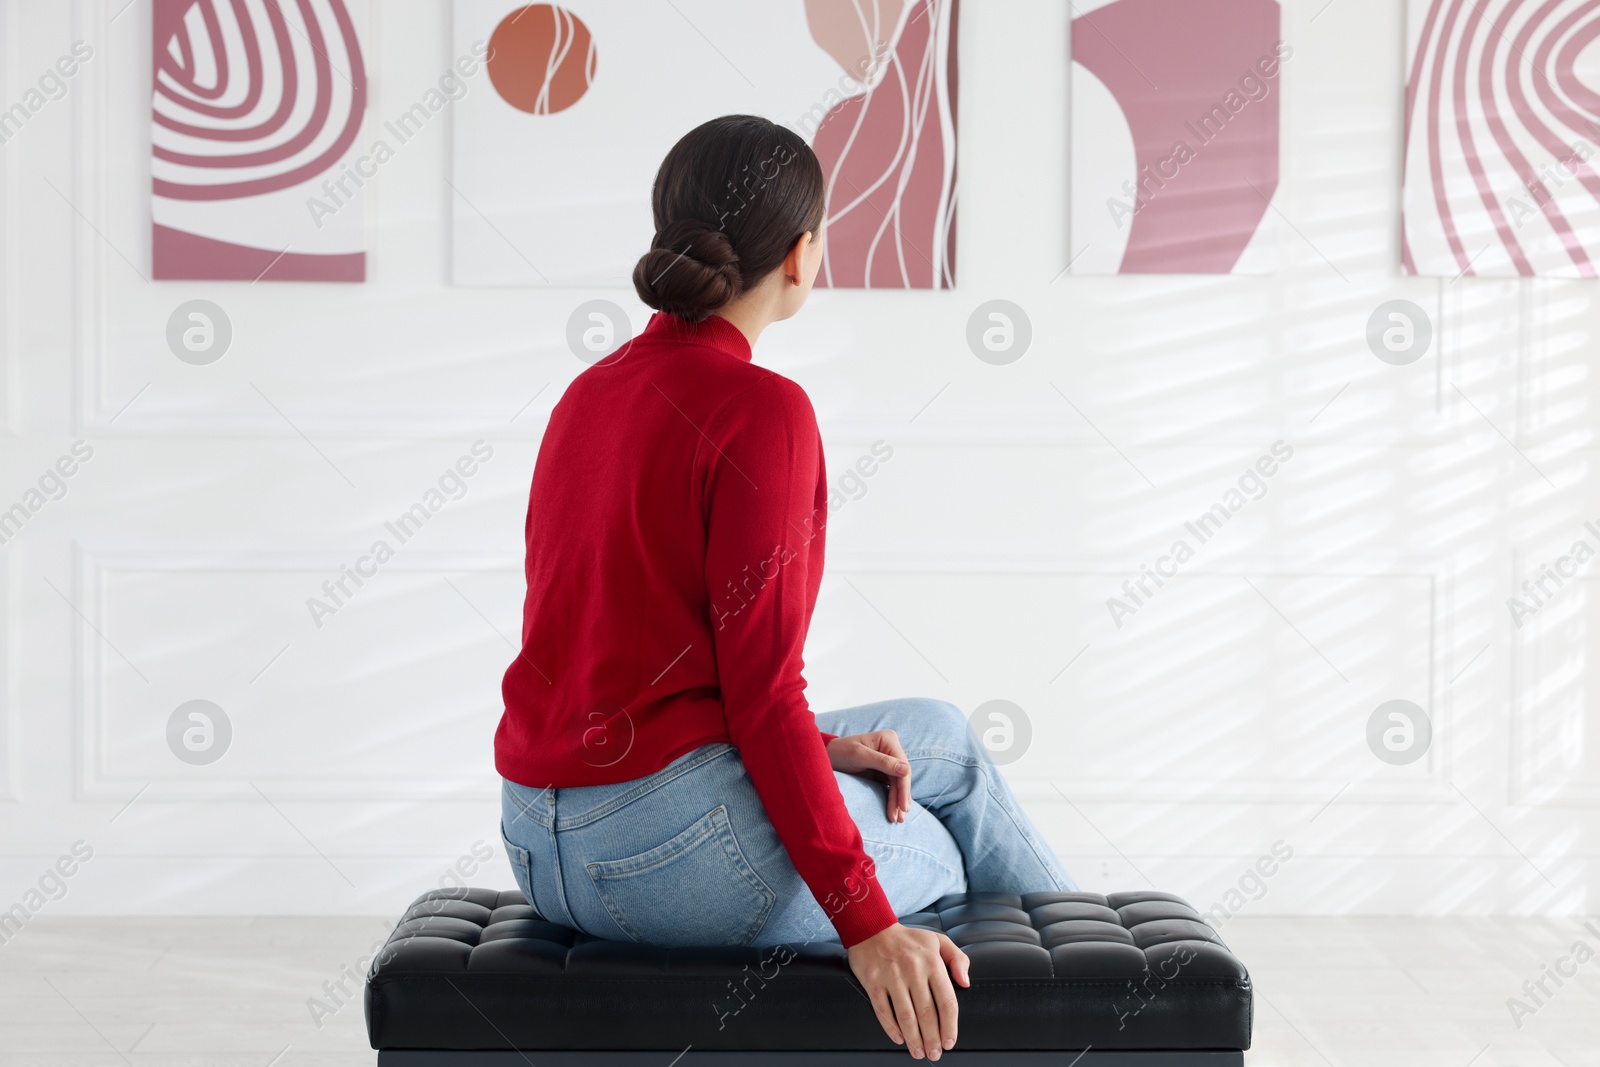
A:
687, 856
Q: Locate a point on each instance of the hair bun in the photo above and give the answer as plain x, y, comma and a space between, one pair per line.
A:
691, 271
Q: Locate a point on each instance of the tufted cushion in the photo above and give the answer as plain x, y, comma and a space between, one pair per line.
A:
480, 969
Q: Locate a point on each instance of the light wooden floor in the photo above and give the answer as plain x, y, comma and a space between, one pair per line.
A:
1330, 992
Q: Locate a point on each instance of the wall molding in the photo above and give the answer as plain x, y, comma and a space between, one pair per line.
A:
1136, 790
92, 21
10, 731
96, 780
97, 115
1532, 721
9, 409
9, 757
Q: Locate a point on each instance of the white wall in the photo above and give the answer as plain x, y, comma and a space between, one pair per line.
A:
1228, 714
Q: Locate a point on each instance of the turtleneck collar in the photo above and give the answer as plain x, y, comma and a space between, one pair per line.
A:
714, 330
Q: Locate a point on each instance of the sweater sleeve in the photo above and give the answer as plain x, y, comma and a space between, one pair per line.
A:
766, 504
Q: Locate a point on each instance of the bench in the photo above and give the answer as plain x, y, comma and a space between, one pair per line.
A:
476, 978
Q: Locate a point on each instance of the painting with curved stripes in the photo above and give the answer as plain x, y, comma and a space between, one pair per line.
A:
889, 149
1174, 136
555, 150
1502, 130
257, 164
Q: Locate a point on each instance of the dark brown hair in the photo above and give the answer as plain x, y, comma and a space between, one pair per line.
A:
730, 200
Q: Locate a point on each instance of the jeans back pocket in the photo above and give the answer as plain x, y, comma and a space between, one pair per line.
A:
521, 867
695, 889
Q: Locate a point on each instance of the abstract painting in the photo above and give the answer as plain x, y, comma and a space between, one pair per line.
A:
1174, 135
554, 155
1502, 128
257, 173
889, 150
541, 59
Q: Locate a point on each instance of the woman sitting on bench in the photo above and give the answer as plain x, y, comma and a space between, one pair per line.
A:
665, 779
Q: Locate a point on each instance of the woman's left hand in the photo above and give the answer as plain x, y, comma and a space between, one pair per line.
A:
879, 755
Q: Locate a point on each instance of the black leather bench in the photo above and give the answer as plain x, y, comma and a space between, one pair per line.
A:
475, 978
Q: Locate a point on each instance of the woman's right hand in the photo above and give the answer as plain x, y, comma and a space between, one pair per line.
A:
907, 973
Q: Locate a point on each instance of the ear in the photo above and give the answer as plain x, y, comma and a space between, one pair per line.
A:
794, 262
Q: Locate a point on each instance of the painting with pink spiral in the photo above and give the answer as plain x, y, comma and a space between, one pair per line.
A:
1502, 134
555, 150
258, 168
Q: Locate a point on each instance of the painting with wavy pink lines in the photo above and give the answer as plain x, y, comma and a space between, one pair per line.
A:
889, 150
1502, 134
1175, 135
553, 159
256, 109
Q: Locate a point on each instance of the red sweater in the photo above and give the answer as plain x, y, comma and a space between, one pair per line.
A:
675, 542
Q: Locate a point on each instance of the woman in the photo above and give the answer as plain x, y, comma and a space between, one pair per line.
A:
665, 780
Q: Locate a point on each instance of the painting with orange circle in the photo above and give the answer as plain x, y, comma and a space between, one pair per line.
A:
552, 167
541, 59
